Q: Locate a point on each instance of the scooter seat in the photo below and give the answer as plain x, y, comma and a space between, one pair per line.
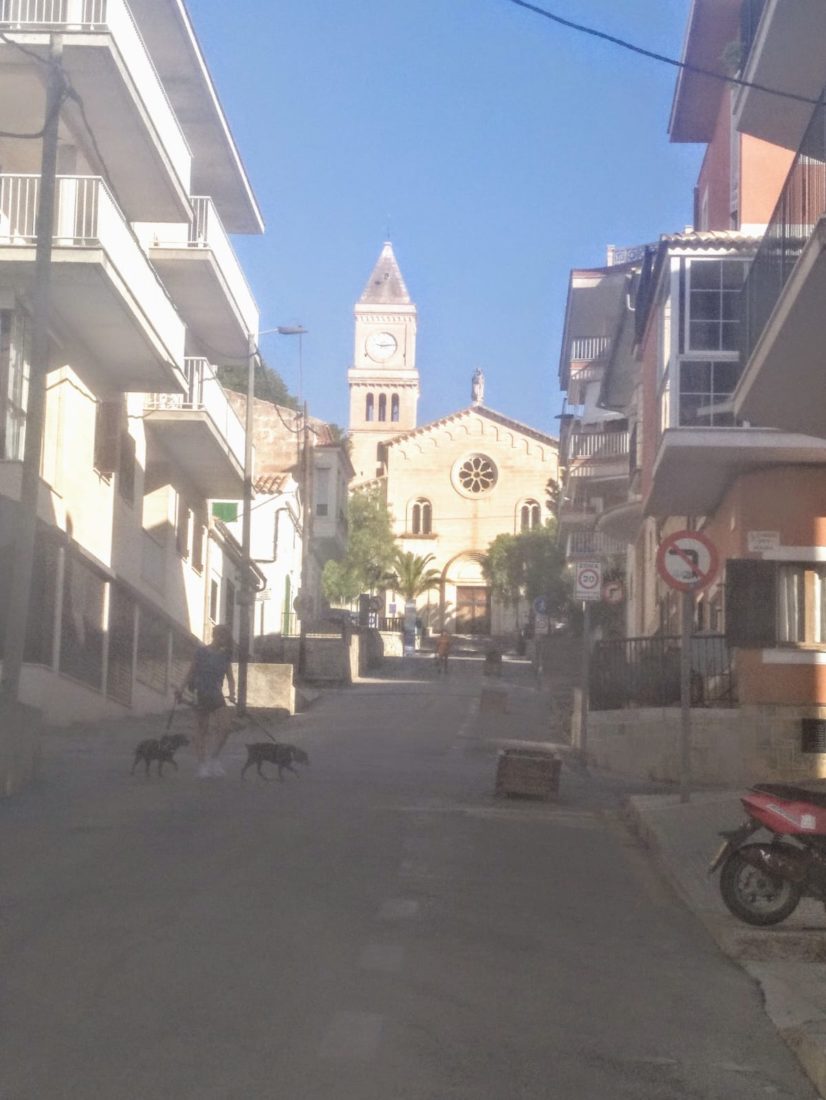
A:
791, 792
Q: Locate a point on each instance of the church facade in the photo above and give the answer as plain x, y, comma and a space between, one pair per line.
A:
451, 485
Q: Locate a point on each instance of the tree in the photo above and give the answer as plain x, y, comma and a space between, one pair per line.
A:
526, 566
412, 578
370, 551
268, 385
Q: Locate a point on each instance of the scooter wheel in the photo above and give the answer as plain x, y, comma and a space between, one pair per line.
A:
754, 895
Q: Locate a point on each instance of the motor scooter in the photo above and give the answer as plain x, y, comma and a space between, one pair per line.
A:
762, 883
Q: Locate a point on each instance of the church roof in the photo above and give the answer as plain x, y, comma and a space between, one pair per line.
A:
386, 285
475, 410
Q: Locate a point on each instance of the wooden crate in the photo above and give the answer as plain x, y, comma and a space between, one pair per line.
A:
530, 773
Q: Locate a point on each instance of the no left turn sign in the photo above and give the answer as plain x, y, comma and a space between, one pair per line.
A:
687, 561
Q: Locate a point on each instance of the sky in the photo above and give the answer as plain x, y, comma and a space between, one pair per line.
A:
497, 150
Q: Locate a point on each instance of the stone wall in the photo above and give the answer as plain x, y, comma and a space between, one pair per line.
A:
734, 747
271, 686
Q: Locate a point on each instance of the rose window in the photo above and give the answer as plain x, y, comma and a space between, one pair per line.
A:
476, 474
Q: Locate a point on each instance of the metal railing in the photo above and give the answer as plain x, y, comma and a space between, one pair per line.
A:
87, 216
598, 445
801, 205
115, 17
645, 672
207, 231
588, 544
588, 349
391, 623
205, 394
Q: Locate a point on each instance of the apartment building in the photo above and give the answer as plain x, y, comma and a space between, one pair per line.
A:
148, 299
722, 396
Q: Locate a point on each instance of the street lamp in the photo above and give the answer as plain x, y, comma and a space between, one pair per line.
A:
304, 599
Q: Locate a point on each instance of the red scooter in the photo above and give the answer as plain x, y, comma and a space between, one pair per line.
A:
762, 883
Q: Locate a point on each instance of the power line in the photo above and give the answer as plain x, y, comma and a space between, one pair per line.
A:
624, 44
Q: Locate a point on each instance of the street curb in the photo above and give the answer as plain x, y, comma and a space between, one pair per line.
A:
808, 1040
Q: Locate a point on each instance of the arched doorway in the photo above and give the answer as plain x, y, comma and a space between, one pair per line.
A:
466, 595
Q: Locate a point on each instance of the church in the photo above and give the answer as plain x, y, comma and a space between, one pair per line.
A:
452, 485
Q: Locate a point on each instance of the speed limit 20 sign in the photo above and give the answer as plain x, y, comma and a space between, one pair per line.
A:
687, 561
588, 580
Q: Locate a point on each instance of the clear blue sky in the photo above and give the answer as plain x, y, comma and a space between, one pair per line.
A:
503, 150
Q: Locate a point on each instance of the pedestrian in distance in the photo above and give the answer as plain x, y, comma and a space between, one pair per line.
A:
211, 665
443, 650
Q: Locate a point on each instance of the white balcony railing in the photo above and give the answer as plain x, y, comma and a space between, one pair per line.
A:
86, 216
114, 17
207, 231
589, 349
205, 394
593, 544
599, 445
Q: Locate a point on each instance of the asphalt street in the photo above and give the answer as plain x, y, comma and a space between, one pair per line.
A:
381, 928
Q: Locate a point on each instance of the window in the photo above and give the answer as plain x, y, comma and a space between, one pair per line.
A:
182, 527
81, 628
421, 517
711, 308
801, 604
126, 467
704, 385
369, 407
121, 644
153, 650
213, 600
394, 408
15, 355
322, 490
198, 540
382, 406
530, 515
476, 474
108, 420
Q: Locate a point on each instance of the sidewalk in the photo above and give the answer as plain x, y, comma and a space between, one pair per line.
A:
789, 961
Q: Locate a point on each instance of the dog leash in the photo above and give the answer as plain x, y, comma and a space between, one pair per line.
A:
260, 725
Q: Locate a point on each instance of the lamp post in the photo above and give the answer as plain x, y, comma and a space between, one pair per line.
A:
304, 600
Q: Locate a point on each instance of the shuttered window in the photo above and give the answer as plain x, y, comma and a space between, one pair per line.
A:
751, 603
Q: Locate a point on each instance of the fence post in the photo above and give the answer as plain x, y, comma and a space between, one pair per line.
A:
685, 696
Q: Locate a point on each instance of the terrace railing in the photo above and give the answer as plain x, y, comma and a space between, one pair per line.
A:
645, 672
205, 394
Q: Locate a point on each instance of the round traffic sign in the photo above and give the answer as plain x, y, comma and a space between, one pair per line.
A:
540, 605
687, 561
588, 578
612, 592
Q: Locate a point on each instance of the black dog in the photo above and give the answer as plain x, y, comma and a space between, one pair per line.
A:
283, 756
162, 749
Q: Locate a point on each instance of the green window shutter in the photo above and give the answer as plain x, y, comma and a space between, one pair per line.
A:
751, 603
226, 510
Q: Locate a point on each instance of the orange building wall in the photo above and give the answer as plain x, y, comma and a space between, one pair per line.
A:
715, 173
792, 501
763, 172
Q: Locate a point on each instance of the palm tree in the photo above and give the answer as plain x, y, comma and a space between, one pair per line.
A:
411, 577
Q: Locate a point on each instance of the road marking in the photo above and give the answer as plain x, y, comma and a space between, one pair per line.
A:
353, 1036
382, 957
398, 909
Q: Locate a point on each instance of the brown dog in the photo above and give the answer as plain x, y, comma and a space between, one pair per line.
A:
162, 749
270, 752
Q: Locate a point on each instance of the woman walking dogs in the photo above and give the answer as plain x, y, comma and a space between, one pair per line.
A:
210, 666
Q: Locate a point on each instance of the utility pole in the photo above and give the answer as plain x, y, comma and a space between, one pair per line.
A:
247, 600
26, 528
306, 536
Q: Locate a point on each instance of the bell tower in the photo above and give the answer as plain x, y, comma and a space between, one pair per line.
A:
383, 381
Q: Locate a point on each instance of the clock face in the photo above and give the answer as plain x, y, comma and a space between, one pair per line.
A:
381, 346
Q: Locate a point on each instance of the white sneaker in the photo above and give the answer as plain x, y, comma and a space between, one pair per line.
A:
204, 771
217, 769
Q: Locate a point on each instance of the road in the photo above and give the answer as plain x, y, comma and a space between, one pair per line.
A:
379, 929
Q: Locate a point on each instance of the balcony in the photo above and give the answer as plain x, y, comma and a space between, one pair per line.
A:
204, 277
598, 455
135, 127
201, 432
695, 466
116, 324
783, 327
787, 50
593, 544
